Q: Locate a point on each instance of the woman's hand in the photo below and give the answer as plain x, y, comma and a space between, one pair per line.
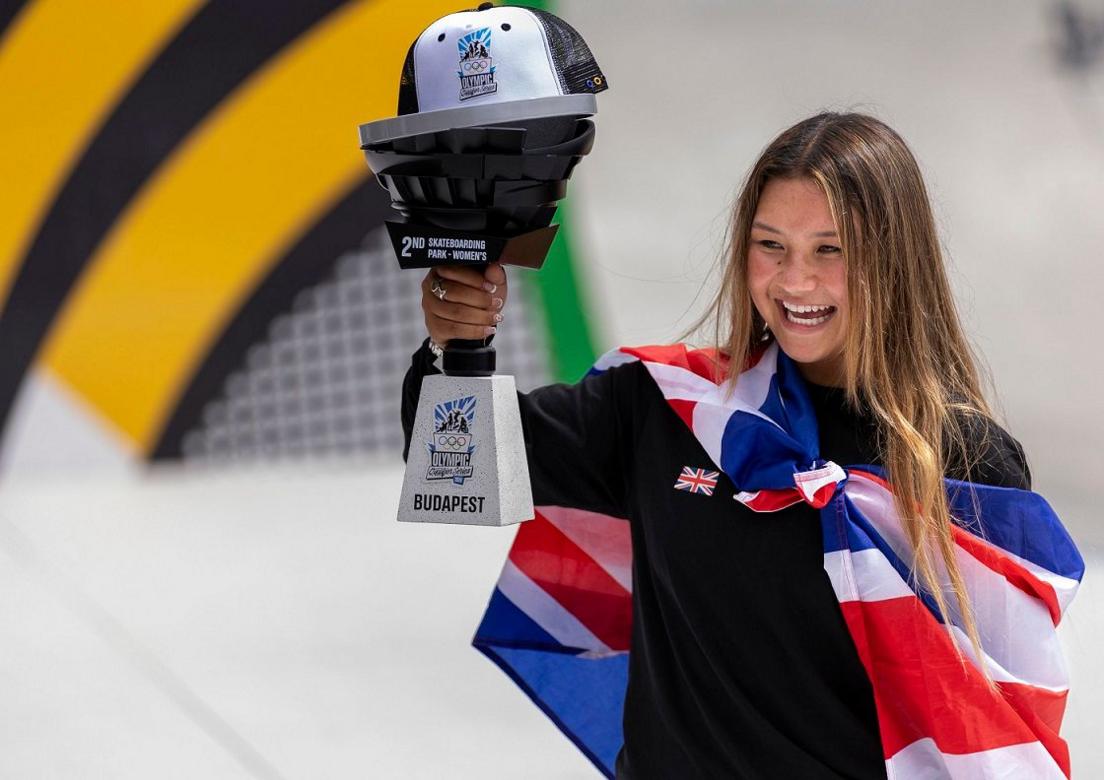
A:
471, 306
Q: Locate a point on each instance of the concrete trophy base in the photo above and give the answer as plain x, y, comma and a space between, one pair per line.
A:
467, 454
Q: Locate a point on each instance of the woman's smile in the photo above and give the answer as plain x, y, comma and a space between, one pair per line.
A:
806, 317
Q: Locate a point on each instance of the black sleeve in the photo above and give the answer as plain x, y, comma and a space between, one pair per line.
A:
996, 458
421, 365
576, 442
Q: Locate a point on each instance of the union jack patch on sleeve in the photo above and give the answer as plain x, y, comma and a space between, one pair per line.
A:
697, 480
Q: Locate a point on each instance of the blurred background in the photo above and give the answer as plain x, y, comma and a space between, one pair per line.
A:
203, 335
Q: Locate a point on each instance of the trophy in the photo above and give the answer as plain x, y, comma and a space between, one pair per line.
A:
493, 116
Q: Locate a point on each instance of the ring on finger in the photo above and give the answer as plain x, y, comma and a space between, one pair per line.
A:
437, 288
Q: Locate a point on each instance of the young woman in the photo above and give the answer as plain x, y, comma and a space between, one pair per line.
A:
742, 663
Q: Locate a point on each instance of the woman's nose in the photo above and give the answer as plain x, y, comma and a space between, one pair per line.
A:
795, 276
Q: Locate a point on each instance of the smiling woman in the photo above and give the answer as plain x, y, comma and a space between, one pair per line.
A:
817, 547
891, 337
797, 281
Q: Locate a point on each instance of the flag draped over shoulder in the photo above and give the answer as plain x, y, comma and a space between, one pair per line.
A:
559, 620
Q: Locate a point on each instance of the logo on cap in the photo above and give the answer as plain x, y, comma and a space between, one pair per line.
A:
477, 71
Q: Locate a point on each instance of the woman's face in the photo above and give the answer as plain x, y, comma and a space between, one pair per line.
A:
798, 277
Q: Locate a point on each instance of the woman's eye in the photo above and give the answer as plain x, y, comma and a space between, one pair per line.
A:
767, 243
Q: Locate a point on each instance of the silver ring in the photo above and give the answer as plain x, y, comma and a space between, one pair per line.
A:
437, 288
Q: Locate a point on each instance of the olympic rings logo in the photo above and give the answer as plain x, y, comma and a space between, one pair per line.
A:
594, 82
445, 440
476, 65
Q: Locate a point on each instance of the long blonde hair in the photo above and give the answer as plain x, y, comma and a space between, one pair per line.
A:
906, 357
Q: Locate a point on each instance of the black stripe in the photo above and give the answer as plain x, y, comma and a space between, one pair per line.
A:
219, 48
8, 11
306, 264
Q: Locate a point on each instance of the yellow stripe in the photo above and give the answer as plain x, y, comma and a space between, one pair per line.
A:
63, 66
196, 242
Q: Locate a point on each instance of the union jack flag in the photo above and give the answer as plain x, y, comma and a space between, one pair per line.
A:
697, 480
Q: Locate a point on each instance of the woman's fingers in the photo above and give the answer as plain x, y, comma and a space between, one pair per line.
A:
443, 331
470, 306
467, 315
463, 292
495, 276
470, 277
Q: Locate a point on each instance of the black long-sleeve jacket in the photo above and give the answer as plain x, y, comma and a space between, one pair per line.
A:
741, 665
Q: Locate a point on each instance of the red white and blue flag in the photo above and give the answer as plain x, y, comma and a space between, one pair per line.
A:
559, 621
697, 480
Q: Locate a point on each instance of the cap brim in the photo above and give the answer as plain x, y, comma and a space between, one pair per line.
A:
385, 130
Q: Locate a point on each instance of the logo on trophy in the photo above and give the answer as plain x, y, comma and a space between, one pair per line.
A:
475, 175
450, 452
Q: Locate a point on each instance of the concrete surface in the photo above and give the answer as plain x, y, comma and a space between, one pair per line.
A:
277, 623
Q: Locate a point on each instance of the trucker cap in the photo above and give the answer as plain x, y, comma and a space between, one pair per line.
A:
491, 64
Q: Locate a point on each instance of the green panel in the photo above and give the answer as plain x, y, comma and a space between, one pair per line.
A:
560, 287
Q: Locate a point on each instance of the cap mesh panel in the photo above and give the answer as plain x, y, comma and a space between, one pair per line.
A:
408, 92
575, 65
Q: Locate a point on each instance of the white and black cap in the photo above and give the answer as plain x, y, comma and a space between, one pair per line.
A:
492, 64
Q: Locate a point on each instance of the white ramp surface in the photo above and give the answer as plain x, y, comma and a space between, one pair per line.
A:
280, 623
268, 624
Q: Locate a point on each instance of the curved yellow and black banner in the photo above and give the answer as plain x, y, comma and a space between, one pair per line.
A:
173, 189
210, 55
